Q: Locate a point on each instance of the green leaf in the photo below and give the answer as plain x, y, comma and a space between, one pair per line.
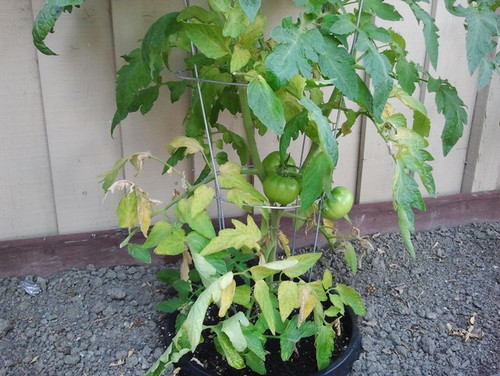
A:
288, 296
296, 49
382, 10
293, 334
109, 177
266, 105
451, 106
407, 74
338, 65
342, 24
405, 196
43, 25
46, 19
156, 44
170, 305
160, 231
139, 252
327, 140
233, 329
324, 343
430, 30
305, 262
350, 256
250, 7
317, 178
196, 12
379, 68
127, 211
177, 88
173, 244
421, 124
168, 276
241, 236
263, 298
255, 363
208, 39
232, 356
352, 298
130, 80
482, 27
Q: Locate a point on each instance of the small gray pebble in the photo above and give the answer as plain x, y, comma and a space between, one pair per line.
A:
72, 359
117, 293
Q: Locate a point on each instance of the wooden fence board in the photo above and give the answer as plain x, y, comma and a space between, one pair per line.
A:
78, 92
26, 199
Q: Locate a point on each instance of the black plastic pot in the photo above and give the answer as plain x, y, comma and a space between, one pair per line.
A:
340, 367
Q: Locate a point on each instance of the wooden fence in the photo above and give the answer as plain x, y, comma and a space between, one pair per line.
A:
55, 115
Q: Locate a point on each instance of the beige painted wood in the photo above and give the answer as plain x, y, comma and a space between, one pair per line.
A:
26, 199
482, 171
55, 114
154, 131
376, 163
452, 64
78, 91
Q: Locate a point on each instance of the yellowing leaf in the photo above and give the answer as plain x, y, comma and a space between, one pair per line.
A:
305, 262
192, 145
241, 236
239, 58
307, 303
285, 243
144, 214
232, 328
202, 197
127, 210
270, 268
226, 298
288, 298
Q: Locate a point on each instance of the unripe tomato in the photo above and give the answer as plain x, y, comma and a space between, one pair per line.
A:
272, 162
281, 189
339, 205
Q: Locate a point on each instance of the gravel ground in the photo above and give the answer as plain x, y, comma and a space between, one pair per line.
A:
100, 322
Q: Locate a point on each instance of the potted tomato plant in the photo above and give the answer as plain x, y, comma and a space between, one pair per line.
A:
240, 288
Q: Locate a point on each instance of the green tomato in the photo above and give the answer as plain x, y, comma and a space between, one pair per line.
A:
281, 189
272, 162
339, 205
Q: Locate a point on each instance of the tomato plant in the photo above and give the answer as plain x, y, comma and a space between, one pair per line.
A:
339, 205
281, 189
272, 162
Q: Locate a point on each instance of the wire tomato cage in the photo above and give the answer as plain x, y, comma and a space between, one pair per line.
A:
195, 77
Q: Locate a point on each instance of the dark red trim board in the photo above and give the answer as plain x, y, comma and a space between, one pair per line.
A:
46, 256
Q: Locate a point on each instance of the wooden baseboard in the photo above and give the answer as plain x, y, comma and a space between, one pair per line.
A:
46, 256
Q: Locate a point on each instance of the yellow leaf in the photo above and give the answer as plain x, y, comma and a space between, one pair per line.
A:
202, 197
285, 243
307, 303
144, 214
288, 298
184, 269
226, 298
192, 145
